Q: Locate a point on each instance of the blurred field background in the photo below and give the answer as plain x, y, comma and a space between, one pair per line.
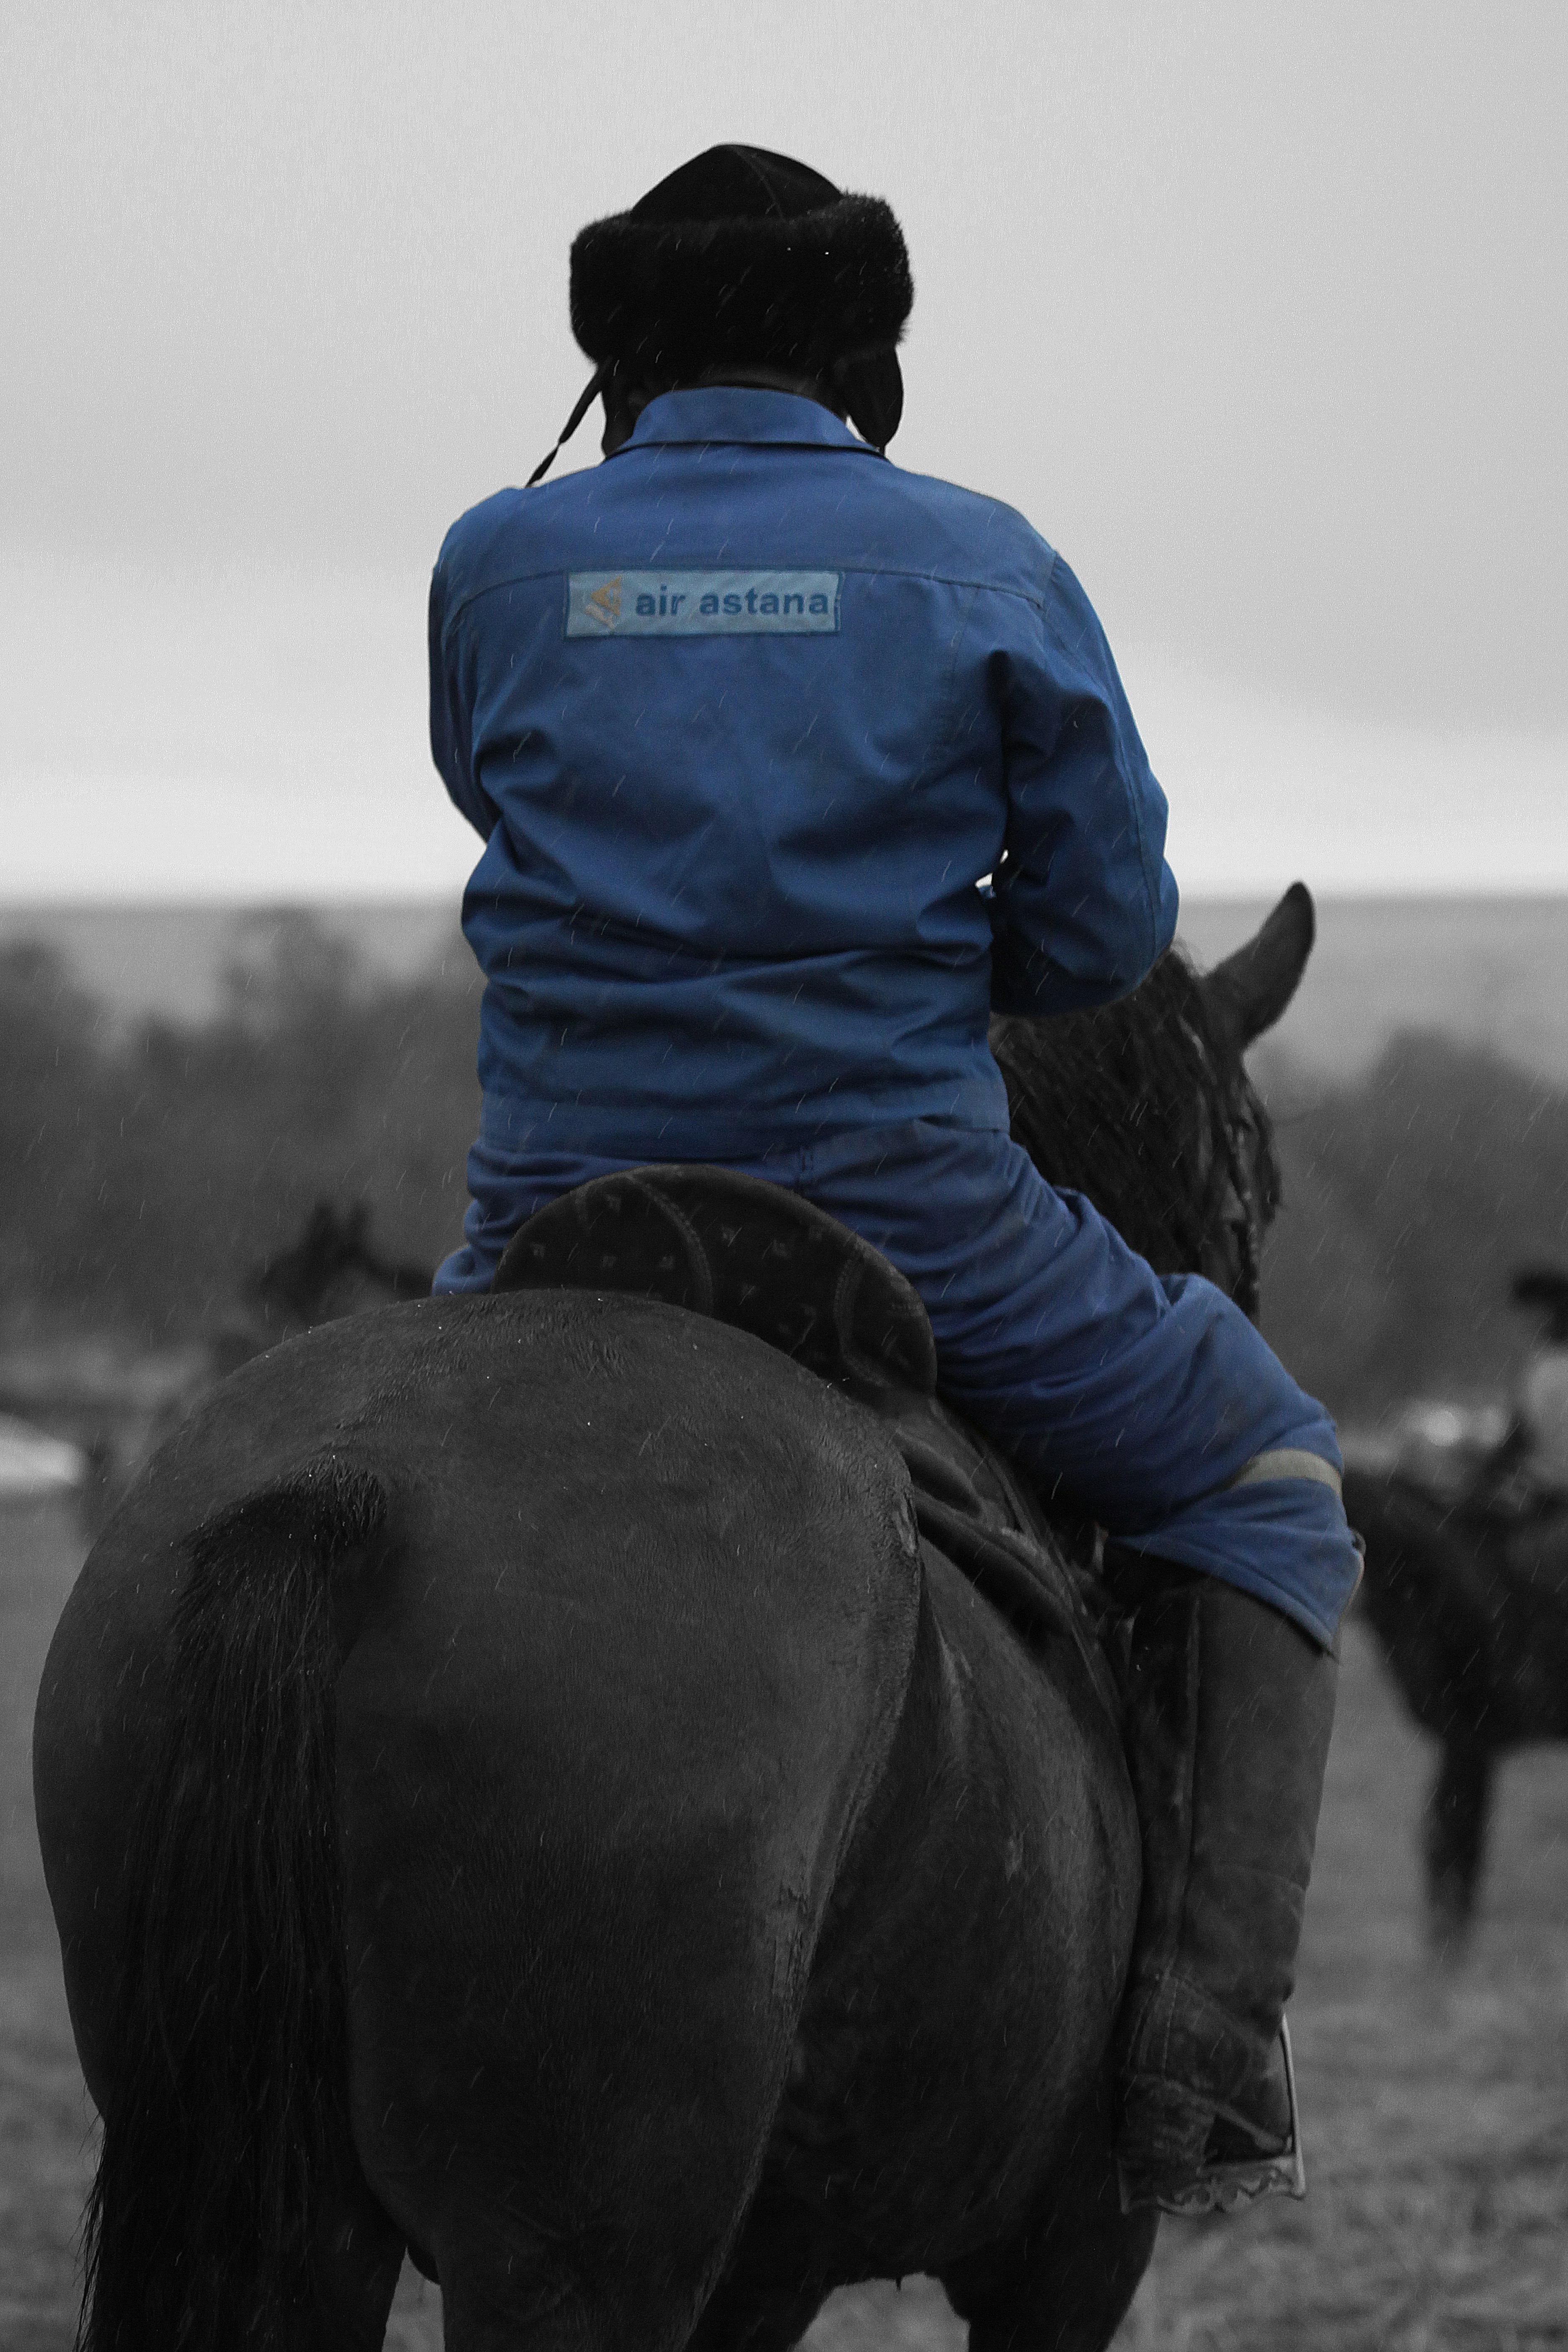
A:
178, 1087
176, 1091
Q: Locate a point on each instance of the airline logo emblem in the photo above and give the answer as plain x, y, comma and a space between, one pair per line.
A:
603, 605
702, 604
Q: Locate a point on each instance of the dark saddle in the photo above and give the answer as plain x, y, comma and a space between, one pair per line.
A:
758, 1257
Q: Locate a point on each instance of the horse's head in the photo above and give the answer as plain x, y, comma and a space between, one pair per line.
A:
1146, 1105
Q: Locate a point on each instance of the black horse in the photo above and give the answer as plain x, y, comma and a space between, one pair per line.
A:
1469, 1606
513, 1786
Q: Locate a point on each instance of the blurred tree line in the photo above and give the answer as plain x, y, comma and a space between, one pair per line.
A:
144, 1171
1410, 1197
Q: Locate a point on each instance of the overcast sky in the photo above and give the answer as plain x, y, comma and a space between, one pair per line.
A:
1257, 311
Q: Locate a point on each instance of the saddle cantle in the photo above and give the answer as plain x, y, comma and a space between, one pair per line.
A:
746, 1253
751, 1254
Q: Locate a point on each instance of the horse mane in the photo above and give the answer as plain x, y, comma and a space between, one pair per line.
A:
1132, 1104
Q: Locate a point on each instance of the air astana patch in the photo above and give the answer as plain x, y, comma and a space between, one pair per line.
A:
701, 603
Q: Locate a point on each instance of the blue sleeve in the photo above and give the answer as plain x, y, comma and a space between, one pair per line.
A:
451, 729
1083, 902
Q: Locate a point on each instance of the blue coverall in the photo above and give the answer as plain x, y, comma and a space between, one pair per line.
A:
745, 717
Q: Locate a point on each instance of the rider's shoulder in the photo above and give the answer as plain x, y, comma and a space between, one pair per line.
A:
512, 533
976, 535
484, 534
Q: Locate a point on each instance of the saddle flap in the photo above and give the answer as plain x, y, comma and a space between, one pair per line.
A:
746, 1252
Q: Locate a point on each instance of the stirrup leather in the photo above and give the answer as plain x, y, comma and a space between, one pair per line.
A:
1228, 2184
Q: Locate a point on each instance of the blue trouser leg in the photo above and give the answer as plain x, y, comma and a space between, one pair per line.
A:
1144, 1399
1149, 1403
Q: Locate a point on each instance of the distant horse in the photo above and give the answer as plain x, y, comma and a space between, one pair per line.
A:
1470, 1609
331, 1270
514, 1787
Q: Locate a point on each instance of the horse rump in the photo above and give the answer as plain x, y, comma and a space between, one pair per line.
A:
439, 1835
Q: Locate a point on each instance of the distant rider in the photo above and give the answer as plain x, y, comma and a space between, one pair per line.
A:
1528, 1469
744, 717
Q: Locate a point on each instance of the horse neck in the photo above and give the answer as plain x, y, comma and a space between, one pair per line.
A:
1141, 1108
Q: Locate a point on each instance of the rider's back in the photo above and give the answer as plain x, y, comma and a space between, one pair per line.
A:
747, 715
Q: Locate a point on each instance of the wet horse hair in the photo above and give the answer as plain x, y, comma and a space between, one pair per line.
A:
1146, 1109
252, 2024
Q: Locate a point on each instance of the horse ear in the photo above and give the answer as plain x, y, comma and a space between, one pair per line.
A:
1250, 988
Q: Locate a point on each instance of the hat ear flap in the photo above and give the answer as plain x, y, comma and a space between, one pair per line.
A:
871, 386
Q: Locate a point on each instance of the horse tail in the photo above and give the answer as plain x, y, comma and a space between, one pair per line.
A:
228, 2097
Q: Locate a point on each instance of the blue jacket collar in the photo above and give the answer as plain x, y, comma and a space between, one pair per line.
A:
724, 411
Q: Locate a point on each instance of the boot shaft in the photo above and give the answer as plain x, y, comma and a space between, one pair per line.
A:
1230, 1707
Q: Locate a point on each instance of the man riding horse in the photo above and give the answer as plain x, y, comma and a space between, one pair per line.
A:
791, 767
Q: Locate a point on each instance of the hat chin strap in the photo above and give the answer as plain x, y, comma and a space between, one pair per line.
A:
594, 386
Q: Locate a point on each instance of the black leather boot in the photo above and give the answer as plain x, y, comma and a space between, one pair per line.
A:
1230, 1708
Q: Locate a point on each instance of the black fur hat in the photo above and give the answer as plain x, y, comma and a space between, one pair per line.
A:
742, 258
